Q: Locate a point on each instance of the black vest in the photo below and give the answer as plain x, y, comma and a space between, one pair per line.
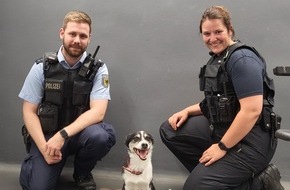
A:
66, 94
221, 104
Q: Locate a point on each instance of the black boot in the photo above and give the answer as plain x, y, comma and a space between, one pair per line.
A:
85, 182
270, 178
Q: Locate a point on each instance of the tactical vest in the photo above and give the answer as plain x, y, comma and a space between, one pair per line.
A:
221, 104
66, 94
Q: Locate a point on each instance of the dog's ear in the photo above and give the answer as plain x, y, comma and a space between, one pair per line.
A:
151, 137
128, 139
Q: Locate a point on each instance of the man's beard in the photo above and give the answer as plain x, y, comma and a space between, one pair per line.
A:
73, 51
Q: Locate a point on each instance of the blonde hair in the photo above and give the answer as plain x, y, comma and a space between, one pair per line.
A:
76, 16
217, 12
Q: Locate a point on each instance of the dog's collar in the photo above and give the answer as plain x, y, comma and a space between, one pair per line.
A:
133, 171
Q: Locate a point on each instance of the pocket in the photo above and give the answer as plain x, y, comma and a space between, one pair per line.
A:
81, 92
54, 91
48, 116
266, 118
211, 79
269, 84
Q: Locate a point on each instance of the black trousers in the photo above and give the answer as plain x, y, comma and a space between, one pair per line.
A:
88, 147
238, 169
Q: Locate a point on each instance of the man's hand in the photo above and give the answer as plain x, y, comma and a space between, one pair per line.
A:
52, 153
52, 159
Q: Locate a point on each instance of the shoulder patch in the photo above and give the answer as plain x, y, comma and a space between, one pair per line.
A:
105, 80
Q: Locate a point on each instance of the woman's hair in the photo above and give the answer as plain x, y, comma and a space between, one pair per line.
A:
217, 12
76, 16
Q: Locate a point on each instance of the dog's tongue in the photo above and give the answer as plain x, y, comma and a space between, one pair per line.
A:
142, 154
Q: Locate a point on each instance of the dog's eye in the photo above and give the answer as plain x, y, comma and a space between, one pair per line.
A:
136, 139
147, 138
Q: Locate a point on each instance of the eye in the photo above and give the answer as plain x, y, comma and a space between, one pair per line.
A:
218, 32
136, 139
147, 138
83, 36
206, 34
72, 34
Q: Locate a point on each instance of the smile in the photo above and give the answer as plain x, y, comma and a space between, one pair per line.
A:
141, 153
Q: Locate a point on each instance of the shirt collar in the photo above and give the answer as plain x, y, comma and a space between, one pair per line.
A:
62, 61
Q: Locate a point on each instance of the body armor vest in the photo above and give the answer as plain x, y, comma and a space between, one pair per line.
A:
66, 95
221, 104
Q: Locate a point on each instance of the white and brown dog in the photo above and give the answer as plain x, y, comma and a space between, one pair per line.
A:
138, 171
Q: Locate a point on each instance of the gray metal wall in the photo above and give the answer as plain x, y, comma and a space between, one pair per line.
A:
153, 51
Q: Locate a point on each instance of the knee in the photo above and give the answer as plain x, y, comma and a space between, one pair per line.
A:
162, 129
102, 135
166, 132
165, 126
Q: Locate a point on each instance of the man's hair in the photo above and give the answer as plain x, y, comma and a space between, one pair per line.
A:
76, 16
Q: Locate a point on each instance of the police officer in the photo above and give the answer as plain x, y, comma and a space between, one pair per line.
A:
223, 140
65, 98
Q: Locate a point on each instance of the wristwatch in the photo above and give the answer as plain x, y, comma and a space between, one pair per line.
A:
222, 146
64, 134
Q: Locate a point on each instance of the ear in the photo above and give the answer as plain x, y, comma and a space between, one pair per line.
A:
61, 33
151, 137
128, 139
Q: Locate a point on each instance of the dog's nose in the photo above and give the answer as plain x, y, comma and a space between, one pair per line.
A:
144, 145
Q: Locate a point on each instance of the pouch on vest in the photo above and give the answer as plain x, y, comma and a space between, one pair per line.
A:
269, 84
209, 82
54, 91
48, 115
270, 120
81, 92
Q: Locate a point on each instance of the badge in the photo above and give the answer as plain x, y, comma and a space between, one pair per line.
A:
105, 80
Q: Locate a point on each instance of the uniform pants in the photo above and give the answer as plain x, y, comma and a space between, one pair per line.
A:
238, 169
88, 146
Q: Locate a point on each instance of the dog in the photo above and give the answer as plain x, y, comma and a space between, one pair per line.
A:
137, 171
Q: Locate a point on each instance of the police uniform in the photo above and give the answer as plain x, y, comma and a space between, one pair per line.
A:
88, 146
238, 169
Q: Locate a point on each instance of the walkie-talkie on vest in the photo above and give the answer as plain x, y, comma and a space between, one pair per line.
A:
87, 68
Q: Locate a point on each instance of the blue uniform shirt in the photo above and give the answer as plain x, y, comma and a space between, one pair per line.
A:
32, 89
246, 71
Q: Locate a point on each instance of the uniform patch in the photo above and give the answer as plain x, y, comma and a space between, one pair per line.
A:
105, 80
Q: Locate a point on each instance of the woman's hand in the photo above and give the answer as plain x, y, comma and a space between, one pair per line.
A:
178, 118
211, 155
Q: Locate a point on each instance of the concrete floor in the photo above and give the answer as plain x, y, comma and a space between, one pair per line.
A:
105, 180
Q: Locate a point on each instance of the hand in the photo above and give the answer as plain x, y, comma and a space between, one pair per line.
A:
211, 155
52, 159
52, 153
178, 118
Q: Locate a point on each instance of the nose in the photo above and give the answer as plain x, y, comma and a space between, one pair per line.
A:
77, 39
210, 38
144, 145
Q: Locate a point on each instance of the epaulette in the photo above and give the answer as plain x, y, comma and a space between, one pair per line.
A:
51, 57
39, 60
